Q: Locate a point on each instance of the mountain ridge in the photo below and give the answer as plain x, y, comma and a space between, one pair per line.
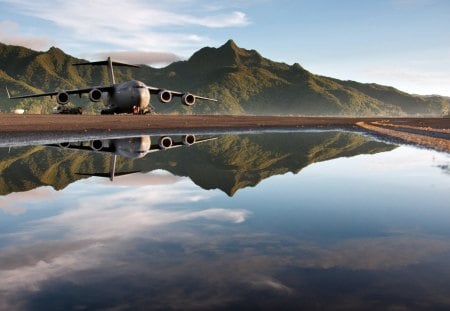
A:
243, 80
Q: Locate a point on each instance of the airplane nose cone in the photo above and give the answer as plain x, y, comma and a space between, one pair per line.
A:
134, 148
144, 98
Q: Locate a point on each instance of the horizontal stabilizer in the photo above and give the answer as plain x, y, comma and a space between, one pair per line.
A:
105, 63
107, 174
109, 64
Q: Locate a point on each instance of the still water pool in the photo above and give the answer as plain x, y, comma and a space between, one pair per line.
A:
308, 220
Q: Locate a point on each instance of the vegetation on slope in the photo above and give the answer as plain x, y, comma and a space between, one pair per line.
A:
243, 81
230, 163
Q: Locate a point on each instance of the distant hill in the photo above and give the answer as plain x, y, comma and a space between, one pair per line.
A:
243, 81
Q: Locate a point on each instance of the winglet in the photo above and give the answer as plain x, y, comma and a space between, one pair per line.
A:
7, 92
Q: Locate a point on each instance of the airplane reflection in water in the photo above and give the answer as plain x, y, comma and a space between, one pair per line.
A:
132, 147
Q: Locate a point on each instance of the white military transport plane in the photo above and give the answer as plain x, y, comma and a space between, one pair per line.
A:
127, 97
132, 148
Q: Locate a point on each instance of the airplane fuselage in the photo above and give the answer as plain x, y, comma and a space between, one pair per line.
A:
128, 97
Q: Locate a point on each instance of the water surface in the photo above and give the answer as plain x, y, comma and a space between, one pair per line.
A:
312, 220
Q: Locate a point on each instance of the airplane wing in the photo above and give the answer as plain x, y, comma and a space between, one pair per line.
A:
111, 149
157, 147
74, 91
157, 90
83, 148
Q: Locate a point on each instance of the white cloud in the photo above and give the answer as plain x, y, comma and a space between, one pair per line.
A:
157, 177
130, 25
109, 211
425, 75
265, 282
75, 256
413, 81
108, 220
9, 34
128, 16
138, 57
96, 215
223, 20
14, 203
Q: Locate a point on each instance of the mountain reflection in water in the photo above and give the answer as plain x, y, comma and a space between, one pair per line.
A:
229, 163
358, 225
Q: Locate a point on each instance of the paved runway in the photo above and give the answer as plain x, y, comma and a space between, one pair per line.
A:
21, 127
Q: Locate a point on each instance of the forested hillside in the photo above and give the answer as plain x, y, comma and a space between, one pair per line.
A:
242, 80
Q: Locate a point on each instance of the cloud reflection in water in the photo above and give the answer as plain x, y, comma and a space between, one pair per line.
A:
99, 219
165, 243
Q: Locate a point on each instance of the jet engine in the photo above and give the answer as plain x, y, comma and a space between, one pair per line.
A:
62, 98
165, 96
96, 145
188, 140
95, 95
165, 142
188, 99
64, 145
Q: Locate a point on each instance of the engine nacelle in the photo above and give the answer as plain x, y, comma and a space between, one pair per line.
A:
165, 142
95, 95
96, 145
64, 145
62, 98
188, 99
165, 96
188, 140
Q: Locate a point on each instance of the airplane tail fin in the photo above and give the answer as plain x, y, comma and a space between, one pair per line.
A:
112, 170
112, 166
109, 63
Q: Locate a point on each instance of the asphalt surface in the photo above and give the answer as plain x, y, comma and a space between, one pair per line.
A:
13, 126
69, 123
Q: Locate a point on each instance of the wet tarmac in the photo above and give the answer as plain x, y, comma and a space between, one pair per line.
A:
42, 129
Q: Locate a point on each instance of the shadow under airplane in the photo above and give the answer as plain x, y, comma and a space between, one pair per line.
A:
132, 147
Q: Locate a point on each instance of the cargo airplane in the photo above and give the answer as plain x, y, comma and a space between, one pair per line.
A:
126, 97
132, 148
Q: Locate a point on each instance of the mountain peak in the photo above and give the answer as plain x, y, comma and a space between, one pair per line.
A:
223, 56
231, 52
230, 44
231, 49
55, 51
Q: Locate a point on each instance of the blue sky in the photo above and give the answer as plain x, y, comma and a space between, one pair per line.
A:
402, 43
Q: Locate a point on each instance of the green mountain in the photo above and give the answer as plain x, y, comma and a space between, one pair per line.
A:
243, 81
229, 163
